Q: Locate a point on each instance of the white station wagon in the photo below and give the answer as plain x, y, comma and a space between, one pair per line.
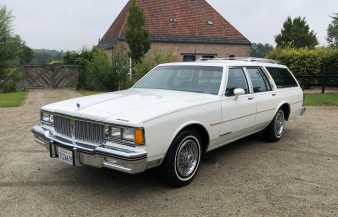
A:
172, 116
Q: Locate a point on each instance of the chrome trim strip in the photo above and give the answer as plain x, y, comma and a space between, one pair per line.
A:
225, 134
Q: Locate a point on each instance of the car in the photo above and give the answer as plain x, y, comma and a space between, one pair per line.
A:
173, 116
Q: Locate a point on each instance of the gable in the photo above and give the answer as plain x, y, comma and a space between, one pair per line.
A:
188, 21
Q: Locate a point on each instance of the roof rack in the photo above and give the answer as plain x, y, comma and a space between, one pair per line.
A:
248, 59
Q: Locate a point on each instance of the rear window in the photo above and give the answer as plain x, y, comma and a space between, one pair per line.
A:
282, 77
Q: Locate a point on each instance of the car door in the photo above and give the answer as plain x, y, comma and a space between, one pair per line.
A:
264, 95
238, 113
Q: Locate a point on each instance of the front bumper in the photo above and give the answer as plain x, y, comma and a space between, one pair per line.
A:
115, 158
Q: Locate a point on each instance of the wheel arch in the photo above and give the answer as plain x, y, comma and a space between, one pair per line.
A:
200, 129
286, 108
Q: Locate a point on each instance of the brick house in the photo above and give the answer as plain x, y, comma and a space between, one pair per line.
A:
191, 28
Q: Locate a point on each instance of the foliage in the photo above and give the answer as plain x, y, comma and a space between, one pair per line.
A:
137, 35
12, 99
304, 61
260, 50
44, 56
12, 52
100, 76
296, 33
27, 55
82, 60
120, 67
10, 78
150, 62
329, 61
332, 32
321, 99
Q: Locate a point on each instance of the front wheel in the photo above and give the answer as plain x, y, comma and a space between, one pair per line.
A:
183, 158
275, 130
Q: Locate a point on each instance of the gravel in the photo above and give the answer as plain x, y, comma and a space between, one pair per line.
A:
297, 176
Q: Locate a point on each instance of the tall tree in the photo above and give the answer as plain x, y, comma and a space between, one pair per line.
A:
10, 45
260, 50
137, 34
296, 33
332, 32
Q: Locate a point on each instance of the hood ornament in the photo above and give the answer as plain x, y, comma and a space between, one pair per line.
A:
78, 106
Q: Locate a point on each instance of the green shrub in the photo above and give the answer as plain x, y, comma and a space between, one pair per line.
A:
304, 61
149, 62
329, 61
11, 77
100, 73
301, 61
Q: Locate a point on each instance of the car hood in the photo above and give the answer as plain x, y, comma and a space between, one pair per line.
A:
133, 106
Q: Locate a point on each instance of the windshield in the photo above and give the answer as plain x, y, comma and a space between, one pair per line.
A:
201, 79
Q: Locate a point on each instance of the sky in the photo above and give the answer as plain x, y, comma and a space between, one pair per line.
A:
76, 24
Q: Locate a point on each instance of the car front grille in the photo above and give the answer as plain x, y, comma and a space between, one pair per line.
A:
79, 129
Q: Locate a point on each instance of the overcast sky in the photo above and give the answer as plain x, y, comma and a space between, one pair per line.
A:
74, 24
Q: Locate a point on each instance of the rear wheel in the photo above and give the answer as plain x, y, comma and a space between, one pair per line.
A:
183, 158
275, 130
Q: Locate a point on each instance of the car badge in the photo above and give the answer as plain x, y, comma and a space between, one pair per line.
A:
78, 106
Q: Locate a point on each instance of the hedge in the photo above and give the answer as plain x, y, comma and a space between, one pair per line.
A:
304, 61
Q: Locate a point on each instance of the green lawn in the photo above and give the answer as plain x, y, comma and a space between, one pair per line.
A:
89, 92
321, 99
12, 99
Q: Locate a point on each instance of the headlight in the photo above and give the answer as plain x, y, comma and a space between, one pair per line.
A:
128, 134
47, 118
134, 135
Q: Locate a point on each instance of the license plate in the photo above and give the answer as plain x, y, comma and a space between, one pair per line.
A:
66, 156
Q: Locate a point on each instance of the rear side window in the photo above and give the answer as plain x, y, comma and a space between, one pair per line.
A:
282, 77
236, 79
259, 82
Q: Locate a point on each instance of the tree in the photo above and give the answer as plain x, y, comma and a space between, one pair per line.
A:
27, 54
10, 45
332, 32
137, 35
296, 33
260, 50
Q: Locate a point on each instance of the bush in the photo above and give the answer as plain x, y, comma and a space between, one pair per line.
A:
100, 73
301, 61
149, 62
11, 77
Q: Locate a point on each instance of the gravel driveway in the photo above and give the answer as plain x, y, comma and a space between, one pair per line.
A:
296, 177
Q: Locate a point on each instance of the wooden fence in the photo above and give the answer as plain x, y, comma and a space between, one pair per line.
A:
50, 76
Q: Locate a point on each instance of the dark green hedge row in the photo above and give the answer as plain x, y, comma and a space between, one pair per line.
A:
323, 61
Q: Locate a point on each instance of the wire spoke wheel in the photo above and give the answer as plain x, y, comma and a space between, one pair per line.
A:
279, 124
187, 158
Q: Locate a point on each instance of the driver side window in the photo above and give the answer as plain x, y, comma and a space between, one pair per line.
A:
236, 79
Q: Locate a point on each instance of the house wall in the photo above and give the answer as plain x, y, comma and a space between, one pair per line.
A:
196, 49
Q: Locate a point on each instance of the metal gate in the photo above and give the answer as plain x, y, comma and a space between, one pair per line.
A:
50, 76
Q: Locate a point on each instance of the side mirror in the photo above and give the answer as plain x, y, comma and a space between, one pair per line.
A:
238, 92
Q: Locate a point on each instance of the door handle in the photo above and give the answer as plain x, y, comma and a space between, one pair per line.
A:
250, 98
274, 94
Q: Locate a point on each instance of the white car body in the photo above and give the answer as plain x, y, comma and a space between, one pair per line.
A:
164, 113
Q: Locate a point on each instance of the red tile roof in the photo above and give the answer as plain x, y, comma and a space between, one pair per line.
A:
192, 21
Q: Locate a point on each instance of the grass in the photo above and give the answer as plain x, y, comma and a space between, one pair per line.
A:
321, 99
89, 92
12, 99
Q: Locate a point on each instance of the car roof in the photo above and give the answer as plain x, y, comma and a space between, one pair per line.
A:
226, 63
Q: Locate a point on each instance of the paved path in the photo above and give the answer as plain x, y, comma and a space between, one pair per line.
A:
296, 177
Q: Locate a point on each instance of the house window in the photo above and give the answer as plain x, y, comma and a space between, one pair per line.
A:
189, 58
208, 56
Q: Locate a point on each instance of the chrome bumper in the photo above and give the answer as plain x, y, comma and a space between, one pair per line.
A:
302, 111
100, 156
